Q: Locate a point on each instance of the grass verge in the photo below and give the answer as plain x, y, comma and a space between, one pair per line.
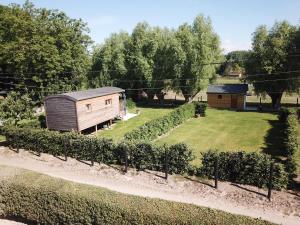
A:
224, 130
45, 200
122, 127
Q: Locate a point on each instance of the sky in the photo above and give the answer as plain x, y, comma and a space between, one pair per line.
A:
233, 20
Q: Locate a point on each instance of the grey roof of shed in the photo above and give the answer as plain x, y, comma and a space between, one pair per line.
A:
91, 93
228, 89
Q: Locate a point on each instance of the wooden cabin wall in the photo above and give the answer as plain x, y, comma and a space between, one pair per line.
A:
99, 112
225, 101
61, 114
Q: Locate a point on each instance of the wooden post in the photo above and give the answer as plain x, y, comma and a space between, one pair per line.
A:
93, 158
166, 164
65, 150
260, 100
297, 101
126, 161
96, 128
216, 172
270, 181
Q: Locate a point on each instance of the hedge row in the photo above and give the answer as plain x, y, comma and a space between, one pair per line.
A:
290, 119
244, 168
141, 155
41, 199
157, 127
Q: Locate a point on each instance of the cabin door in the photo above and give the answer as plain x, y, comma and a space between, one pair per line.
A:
234, 101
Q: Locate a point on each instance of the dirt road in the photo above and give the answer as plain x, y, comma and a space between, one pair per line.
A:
240, 199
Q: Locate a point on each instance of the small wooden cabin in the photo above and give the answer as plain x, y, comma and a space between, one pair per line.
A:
227, 96
84, 109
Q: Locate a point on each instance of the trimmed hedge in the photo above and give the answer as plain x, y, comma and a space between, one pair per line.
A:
45, 200
244, 168
290, 119
157, 127
141, 155
201, 108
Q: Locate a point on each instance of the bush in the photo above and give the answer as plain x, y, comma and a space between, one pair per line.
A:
45, 200
201, 108
244, 168
130, 104
141, 155
290, 141
157, 127
284, 112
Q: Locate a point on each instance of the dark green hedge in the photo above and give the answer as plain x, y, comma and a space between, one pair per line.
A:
244, 168
141, 155
157, 127
290, 142
201, 108
45, 200
290, 119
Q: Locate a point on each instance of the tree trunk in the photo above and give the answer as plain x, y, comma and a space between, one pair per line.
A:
160, 97
276, 99
186, 98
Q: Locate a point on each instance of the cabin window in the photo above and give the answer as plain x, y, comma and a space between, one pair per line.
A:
108, 101
219, 96
88, 107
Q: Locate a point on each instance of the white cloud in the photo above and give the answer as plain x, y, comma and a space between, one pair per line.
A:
228, 45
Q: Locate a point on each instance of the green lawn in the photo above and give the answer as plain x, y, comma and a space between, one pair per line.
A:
43, 199
224, 130
2, 138
121, 127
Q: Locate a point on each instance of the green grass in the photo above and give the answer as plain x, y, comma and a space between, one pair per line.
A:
43, 199
122, 127
2, 138
223, 130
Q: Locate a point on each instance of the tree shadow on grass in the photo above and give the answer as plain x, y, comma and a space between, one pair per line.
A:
274, 140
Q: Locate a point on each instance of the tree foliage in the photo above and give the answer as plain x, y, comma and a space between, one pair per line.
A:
41, 50
275, 52
153, 60
15, 108
235, 61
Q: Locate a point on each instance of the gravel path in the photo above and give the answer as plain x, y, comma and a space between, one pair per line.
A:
240, 199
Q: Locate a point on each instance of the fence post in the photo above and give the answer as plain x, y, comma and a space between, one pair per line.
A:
126, 161
93, 156
270, 181
297, 101
216, 172
166, 164
65, 150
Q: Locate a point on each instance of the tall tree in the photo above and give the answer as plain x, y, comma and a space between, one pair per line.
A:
109, 62
275, 53
202, 48
42, 51
16, 107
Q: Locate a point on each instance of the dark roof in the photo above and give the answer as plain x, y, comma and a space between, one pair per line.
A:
91, 93
228, 89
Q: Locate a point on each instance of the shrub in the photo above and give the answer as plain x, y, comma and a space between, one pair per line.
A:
201, 108
157, 127
290, 142
284, 112
130, 104
141, 155
45, 200
245, 168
